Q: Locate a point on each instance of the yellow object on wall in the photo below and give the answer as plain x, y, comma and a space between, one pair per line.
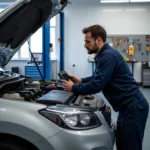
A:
148, 48
131, 50
120, 41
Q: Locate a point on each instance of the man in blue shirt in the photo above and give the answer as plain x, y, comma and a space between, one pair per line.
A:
112, 76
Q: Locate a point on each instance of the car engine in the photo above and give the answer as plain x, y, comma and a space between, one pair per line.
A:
14, 86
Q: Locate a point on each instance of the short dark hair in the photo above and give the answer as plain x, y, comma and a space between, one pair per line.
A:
96, 31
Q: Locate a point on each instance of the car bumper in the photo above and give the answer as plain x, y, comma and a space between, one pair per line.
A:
94, 139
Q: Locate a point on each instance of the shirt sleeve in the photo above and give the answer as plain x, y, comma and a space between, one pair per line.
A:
87, 79
103, 74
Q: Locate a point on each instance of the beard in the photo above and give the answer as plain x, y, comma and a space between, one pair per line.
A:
93, 50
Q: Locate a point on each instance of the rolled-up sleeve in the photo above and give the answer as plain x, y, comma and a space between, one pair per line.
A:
103, 74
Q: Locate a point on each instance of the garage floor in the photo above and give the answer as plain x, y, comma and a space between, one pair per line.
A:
146, 143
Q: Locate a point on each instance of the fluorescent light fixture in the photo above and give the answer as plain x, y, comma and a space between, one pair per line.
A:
139, 0
123, 1
114, 1
135, 10
112, 10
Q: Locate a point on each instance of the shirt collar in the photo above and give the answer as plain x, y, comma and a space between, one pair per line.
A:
105, 46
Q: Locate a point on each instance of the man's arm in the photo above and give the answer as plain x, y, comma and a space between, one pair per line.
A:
102, 76
87, 79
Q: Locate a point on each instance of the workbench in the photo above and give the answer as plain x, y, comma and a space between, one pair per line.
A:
132, 62
128, 61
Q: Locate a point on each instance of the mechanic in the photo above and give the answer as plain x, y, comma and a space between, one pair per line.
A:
112, 76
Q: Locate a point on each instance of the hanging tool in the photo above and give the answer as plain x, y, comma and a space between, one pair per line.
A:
148, 43
147, 38
148, 47
124, 45
120, 41
133, 42
116, 43
127, 45
139, 45
131, 50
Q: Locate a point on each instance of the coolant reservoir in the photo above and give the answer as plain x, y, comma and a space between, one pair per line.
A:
12, 96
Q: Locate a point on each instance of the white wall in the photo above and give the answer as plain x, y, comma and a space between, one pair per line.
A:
116, 18
20, 64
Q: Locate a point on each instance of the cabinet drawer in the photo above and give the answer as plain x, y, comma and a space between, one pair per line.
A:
32, 71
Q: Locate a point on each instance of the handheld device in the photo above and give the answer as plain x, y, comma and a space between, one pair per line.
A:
64, 75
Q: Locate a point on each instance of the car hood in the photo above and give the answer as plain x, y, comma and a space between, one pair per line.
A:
22, 19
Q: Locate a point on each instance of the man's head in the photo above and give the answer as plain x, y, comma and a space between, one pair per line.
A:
95, 38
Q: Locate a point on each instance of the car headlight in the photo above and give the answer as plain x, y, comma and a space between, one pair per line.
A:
84, 119
71, 118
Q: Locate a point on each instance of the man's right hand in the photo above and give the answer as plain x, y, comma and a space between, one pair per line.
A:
75, 79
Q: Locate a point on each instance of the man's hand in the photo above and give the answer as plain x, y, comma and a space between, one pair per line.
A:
75, 79
67, 85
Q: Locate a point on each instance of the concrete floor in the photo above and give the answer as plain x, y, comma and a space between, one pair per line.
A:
146, 142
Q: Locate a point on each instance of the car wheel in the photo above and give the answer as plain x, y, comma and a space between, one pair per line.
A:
9, 145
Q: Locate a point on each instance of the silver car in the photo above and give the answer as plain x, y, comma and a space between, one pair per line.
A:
37, 115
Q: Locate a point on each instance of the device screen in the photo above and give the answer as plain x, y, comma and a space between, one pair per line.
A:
65, 76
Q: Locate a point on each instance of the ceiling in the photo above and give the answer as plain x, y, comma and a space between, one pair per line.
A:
6, 1
81, 1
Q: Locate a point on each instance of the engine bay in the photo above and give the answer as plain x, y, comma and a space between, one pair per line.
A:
14, 86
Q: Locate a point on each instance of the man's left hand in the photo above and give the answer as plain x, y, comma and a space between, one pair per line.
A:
67, 85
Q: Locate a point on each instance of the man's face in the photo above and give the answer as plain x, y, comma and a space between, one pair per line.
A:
90, 44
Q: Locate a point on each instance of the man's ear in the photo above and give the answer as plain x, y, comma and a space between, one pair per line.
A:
98, 40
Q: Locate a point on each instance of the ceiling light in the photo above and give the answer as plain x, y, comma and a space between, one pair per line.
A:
114, 1
139, 0
112, 10
135, 10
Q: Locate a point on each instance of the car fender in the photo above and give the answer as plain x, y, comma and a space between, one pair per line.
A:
23, 120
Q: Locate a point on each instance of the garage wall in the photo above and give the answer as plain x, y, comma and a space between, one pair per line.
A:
117, 19
23, 63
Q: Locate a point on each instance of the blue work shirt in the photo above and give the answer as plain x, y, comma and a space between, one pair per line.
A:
112, 76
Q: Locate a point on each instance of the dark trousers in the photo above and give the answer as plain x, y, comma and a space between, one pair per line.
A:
131, 124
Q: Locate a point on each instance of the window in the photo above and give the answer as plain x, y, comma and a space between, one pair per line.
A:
36, 41
53, 22
24, 52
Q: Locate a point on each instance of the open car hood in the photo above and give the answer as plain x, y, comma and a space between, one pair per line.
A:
22, 19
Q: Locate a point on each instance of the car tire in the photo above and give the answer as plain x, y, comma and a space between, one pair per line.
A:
10, 145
